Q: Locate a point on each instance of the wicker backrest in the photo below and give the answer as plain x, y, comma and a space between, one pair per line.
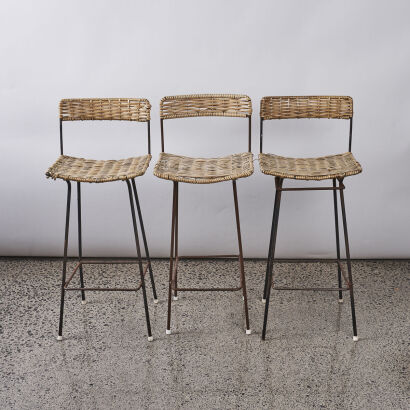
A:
306, 107
205, 105
123, 109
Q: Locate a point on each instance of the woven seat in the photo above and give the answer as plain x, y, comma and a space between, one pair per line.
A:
203, 170
329, 167
90, 170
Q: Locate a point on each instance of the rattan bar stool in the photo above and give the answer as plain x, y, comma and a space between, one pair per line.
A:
95, 171
178, 169
334, 167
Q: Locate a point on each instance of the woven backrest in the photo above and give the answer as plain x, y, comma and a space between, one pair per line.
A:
205, 105
306, 107
123, 109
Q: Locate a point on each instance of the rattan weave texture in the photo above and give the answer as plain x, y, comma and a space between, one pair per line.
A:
203, 170
123, 109
340, 107
205, 105
90, 170
328, 167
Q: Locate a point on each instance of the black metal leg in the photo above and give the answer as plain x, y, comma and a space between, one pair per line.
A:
80, 246
176, 244
339, 272
349, 265
67, 225
269, 250
171, 256
144, 239
275, 221
144, 293
241, 264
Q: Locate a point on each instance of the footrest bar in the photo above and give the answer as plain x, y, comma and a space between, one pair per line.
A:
107, 289
206, 289
324, 289
312, 189
209, 257
109, 261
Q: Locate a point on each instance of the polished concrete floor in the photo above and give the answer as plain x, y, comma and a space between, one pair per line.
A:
308, 360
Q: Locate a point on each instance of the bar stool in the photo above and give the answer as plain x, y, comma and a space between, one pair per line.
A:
178, 169
334, 167
80, 170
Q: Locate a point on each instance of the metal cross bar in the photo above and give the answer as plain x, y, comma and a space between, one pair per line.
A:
324, 289
313, 189
210, 257
108, 261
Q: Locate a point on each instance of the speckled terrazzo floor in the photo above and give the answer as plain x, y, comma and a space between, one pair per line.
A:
308, 361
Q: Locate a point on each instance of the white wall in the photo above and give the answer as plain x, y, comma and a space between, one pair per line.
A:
53, 49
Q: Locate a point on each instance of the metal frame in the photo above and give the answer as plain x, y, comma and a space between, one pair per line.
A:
269, 284
175, 258
133, 196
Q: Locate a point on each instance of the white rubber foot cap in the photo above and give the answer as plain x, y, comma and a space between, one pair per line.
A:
248, 331
355, 338
150, 338
155, 301
168, 332
59, 337
83, 302
175, 297
263, 300
340, 300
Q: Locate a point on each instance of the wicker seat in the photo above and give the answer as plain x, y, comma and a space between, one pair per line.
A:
329, 167
203, 170
91, 170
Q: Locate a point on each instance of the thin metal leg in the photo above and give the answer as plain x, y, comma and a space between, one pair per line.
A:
241, 265
171, 256
80, 246
176, 244
349, 266
270, 249
67, 225
145, 241
275, 221
339, 272
144, 293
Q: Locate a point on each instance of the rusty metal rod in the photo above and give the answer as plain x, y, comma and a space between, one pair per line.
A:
312, 189
207, 289
107, 289
72, 275
324, 289
210, 257
344, 274
109, 261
